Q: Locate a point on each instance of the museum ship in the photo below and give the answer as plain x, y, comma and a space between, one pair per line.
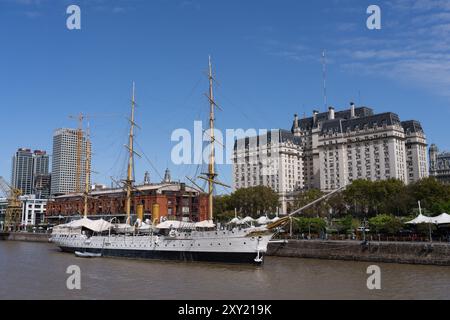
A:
167, 240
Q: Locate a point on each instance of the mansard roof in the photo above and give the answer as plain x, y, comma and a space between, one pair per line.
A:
376, 120
280, 135
412, 126
308, 123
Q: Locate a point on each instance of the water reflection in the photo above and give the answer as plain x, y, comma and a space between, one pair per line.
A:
38, 271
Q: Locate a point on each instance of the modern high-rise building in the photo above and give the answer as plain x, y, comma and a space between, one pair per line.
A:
69, 162
41, 175
41, 162
26, 167
42, 185
439, 164
22, 171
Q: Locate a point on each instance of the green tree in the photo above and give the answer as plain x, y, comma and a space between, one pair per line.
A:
338, 205
432, 194
359, 196
384, 223
391, 196
306, 225
255, 201
306, 197
223, 208
347, 224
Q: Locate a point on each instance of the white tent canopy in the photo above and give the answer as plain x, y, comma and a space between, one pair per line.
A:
275, 219
205, 224
263, 220
248, 219
442, 219
168, 224
185, 225
420, 219
93, 225
236, 221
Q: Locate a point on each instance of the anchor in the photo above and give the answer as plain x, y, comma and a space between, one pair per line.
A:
258, 259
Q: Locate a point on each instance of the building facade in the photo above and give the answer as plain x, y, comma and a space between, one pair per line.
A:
330, 150
439, 164
22, 171
273, 160
68, 164
27, 167
33, 211
176, 201
3, 206
340, 147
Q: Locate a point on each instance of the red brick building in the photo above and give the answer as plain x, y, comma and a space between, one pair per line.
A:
175, 200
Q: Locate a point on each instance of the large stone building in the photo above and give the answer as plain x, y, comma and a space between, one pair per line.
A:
66, 160
439, 164
340, 147
331, 149
273, 159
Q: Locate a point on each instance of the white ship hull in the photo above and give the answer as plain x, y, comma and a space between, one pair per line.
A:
237, 246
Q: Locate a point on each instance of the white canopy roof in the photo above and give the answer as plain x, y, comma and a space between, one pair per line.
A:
420, 219
275, 219
263, 220
93, 225
168, 224
145, 226
248, 219
236, 221
185, 225
205, 224
442, 219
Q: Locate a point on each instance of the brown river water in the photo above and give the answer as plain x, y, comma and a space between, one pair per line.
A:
38, 271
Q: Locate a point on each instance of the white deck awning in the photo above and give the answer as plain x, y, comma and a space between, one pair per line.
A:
93, 225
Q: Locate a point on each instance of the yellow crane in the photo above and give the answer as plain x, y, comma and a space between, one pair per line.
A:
14, 208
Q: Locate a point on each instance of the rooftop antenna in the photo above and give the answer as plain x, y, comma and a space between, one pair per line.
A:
324, 74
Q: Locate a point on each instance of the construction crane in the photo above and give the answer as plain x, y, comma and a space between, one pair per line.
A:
14, 208
80, 118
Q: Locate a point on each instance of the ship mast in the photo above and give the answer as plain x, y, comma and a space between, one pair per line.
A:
211, 169
130, 179
211, 175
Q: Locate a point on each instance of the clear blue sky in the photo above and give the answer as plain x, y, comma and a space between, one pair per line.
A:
266, 55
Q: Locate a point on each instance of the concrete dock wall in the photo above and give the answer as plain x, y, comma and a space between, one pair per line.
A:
29, 237
387, 252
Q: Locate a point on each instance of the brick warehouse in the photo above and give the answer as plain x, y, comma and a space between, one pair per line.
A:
176, 201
